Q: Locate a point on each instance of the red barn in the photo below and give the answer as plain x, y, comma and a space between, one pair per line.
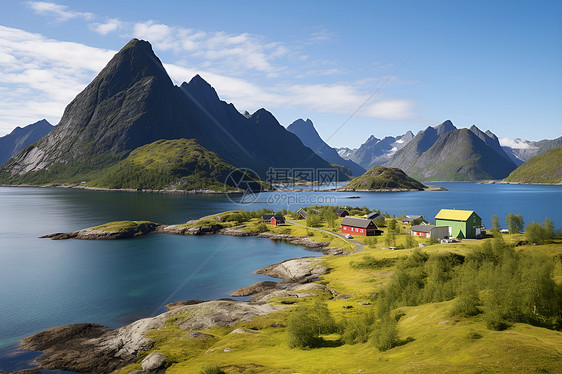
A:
359, 226
273, 219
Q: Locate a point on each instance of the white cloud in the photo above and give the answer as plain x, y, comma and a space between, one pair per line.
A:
390, 109
61, 13
40, 76
105, 28
516, 143
222, 51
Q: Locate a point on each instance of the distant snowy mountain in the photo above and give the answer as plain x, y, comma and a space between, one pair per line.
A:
376, 151
521, 150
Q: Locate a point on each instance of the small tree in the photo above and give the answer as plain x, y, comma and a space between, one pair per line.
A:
514, 222
410, 241
313, 219
495, 222
540, 234
392, 225
330, 217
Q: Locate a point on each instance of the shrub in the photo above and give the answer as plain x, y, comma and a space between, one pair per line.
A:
385, 334
307, 323
262, 227
358, 328
466, 304
212, 369
540, 234
410, 242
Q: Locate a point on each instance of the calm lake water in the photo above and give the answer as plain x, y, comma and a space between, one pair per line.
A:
45, 283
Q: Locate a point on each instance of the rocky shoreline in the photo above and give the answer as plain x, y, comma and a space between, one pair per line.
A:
157, 228
93, 348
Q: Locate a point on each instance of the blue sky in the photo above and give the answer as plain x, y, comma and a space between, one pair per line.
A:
355, 69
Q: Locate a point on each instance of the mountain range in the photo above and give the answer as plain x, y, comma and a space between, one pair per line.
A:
521, 150
132, 102
21, 137
309, 136
376, 151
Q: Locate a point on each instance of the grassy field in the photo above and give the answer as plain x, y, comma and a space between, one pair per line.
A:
430, 339
120, 225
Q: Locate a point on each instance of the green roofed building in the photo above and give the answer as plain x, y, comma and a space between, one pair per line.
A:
465, 224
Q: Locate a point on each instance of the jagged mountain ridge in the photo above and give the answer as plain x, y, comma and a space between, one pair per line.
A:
133, 102
376, 151
446, 153
21, 137
523, 150
309, 136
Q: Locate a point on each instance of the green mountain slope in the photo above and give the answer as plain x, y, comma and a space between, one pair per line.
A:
180, 164
544, 168
381, 177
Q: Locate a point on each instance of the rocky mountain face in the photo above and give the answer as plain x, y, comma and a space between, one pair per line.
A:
520, 150
376, 151
21, 137
491, 141
424, 140
309, 136
445, 153
133, 102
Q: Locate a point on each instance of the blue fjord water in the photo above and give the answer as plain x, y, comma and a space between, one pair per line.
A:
45, 283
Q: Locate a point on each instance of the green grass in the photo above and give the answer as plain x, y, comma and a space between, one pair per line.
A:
381, 177
180, 164
544, 168
430, 340
121, 225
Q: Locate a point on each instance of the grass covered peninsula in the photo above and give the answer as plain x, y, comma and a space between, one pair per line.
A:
490, 305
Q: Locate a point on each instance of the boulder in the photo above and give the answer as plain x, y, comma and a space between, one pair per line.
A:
255, 288
153, 362
297, 270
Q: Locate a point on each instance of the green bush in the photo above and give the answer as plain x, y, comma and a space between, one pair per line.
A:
307, 323
212, 369
385, 334
540, 234
410, 242
466, 304
358, 328
262, 227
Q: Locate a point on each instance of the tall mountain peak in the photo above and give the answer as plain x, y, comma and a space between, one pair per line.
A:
200, 89
308, 135
445, 127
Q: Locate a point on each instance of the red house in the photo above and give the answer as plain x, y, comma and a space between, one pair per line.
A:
359, 226
273, 219
342, 212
